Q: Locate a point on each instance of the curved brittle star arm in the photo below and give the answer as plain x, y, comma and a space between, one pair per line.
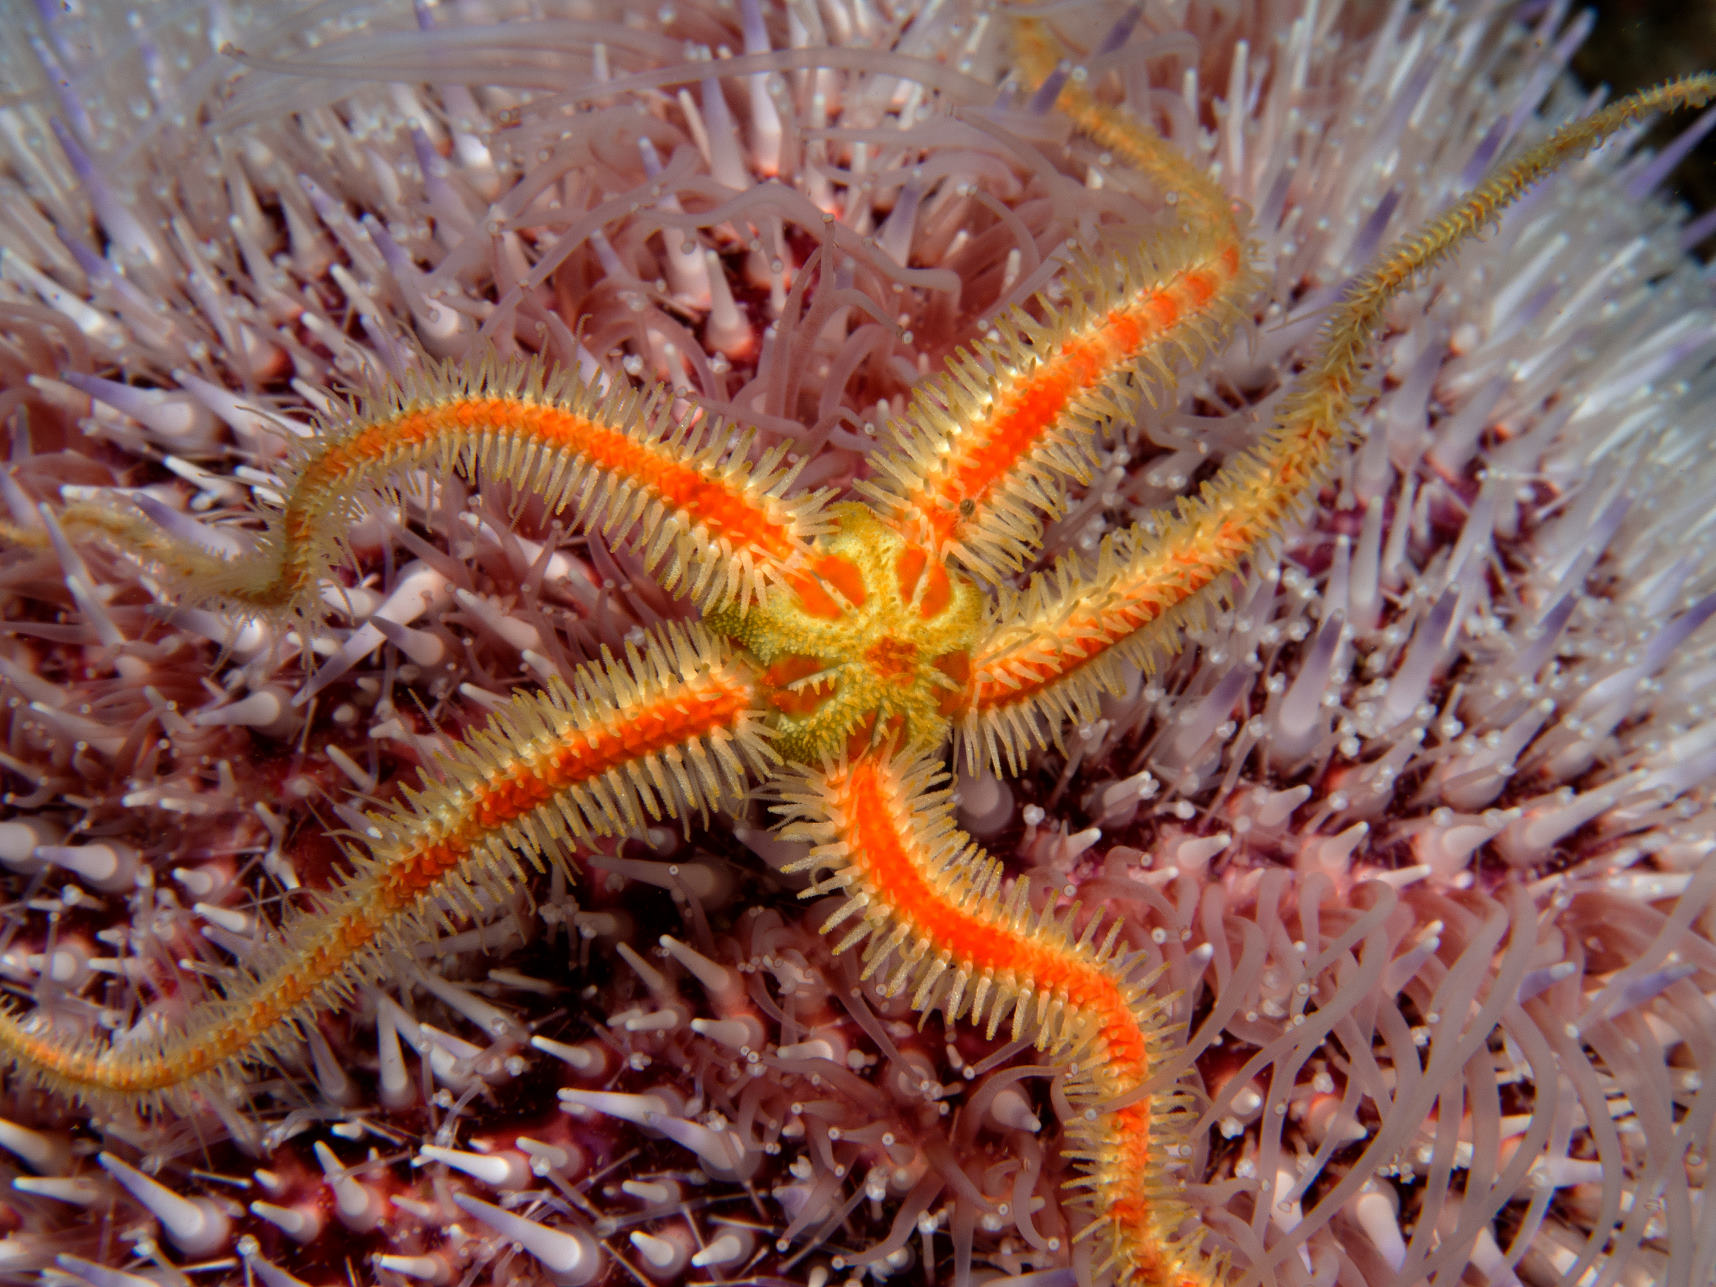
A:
1199, 199
1070, 635
982, 458
702, 514
668, 731
930, 903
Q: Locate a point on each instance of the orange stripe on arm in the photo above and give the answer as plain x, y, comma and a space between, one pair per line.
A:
665, 733
1077, 630
703, 515
985, 452
928, 901
1069, 637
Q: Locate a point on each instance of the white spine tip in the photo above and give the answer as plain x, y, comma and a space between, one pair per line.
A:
580, 1058
570, 1256
109, 865
726, 1250
641, 1110
423, 1269
297, 1223
357, 1207
720, 1151
662, 1257
195, 1226
74, 1190
39, 1151
504, 1170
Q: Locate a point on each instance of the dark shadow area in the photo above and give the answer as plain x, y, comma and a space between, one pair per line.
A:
1637, 43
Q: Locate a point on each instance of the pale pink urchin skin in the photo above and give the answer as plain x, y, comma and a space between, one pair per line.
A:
1419, 826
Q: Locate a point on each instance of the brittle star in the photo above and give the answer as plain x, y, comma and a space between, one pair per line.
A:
843, 647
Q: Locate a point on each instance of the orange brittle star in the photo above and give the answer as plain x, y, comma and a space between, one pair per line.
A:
843, 648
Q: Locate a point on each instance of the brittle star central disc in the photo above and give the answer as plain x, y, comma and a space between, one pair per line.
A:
874, 642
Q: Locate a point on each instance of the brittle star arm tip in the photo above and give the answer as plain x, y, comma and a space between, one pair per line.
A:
669, 730
937, 918
1068, 636
707, 513
984, 455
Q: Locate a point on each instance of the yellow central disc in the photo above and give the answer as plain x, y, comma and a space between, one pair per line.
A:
873, 643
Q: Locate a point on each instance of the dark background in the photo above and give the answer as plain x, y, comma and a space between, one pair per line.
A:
1641, 42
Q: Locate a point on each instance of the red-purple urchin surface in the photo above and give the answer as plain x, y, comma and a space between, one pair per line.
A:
1421, 828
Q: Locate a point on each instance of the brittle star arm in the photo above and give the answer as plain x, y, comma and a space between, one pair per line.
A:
1072, 632
931, 905
984, 453
668, 731
1199, 199
701, 513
